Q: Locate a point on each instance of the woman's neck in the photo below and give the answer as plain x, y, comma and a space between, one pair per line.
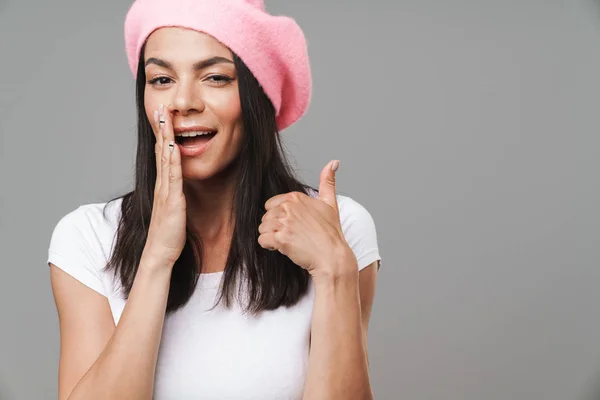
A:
210, 207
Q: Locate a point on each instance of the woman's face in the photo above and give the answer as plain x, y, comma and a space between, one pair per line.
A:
195, 73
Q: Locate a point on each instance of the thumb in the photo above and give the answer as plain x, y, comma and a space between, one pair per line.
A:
327, 184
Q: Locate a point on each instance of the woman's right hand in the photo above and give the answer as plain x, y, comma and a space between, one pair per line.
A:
167, 230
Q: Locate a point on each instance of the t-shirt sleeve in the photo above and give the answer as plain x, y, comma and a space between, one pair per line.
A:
360, 232
75, 249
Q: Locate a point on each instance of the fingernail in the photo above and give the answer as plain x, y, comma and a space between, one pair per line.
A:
155, 117
171, 146
161, 117
335, 166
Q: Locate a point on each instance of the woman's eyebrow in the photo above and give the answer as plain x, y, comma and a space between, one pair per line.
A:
197, 66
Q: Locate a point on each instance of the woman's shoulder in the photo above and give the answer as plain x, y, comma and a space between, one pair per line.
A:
349, 206
94, 215
81, 242
359, 230
89, 222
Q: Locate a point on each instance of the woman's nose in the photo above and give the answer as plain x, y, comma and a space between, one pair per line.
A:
187, 99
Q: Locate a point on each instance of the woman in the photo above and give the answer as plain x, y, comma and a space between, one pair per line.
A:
220, 276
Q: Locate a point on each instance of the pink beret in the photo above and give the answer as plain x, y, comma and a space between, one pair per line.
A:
273, 47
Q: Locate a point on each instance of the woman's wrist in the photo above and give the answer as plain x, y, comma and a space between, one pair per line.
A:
154, 263
340, 267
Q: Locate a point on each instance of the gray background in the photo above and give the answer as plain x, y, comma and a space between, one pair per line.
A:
469, 129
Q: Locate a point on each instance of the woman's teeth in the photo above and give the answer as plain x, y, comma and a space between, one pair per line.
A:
194, 134
194, 138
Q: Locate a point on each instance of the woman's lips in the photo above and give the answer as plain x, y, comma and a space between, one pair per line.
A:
195, 147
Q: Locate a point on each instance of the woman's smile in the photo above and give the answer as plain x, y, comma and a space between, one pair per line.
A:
193, 140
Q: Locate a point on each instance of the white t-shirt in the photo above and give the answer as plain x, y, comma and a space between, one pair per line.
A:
210, 354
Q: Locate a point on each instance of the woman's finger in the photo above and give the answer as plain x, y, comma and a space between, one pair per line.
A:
267, 241
273, 213
269, 225
157, 129
168, 143
176, 175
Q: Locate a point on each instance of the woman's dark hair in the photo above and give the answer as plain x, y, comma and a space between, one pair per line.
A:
272, 279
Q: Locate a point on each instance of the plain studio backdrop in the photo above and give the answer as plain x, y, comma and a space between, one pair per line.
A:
469, 130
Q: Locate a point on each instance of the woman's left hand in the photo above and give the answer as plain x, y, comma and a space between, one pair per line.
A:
308, 230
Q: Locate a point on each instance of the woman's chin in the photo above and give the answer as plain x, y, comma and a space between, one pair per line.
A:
198, 174
203, 172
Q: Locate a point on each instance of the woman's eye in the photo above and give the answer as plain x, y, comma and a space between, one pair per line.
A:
161, 81
219, 79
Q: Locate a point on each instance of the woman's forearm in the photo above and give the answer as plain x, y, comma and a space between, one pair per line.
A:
126, 367
338, 366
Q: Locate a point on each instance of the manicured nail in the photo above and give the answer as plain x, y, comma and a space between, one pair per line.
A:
155, 117
161, 116
335, 166
171, 146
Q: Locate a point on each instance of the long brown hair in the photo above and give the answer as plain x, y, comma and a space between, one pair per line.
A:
272, 279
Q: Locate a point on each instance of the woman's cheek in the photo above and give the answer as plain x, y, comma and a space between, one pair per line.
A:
226, 103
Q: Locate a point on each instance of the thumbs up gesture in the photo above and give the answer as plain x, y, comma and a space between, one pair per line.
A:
308, 229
